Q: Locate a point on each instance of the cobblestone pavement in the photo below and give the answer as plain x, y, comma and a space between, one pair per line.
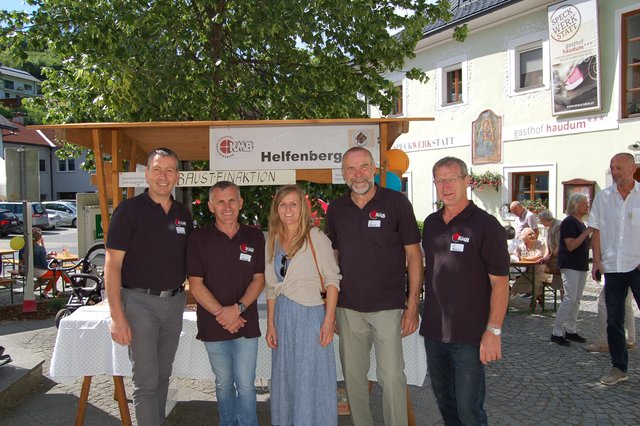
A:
537, 382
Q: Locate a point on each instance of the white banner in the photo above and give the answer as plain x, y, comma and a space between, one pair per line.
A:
574, 54
533, 130
209, 178
288, 147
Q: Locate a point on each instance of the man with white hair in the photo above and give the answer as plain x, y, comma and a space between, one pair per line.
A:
524, 219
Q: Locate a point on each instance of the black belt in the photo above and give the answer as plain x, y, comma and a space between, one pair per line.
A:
159, 293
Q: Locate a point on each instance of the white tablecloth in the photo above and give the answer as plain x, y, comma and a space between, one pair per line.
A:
84, 348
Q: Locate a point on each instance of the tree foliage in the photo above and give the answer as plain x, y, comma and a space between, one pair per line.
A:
135, 60
144, 60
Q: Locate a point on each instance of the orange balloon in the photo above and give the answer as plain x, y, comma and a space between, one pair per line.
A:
397, 160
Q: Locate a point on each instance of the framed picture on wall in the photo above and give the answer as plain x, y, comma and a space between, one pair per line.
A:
486, 138
583, 186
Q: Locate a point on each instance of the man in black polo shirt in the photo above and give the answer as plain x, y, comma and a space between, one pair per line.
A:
144, 275
466, 295
376, 236
225, 265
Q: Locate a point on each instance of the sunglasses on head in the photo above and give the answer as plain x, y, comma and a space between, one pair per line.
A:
283, 268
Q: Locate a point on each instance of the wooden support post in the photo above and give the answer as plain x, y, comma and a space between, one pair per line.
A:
102, 183
121, 397
384, 134
82, 404
116, 161
133, 151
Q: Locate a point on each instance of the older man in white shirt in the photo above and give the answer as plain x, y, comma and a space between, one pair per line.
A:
615, 219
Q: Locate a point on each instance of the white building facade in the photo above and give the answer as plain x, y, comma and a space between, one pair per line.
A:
544, 130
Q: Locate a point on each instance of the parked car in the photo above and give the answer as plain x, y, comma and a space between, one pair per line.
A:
9, 223
39, 216
66, 210
54, 219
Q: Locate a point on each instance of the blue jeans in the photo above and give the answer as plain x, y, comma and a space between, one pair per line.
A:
234, 364
615, 292
457, 379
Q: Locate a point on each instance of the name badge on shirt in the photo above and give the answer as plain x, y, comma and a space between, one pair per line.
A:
374, 224
245, 257
457, 247
180, 230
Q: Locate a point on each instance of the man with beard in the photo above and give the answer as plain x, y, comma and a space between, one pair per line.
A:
376, 237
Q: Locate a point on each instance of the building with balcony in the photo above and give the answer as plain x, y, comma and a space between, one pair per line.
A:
18, 84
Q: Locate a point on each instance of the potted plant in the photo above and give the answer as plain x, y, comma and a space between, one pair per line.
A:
478, 182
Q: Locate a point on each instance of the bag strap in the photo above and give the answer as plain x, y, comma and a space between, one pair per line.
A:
315, 259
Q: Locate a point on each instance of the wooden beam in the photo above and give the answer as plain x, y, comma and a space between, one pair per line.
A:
314, 175
133, 151
116, 161
384, 136
102, 183
395, 129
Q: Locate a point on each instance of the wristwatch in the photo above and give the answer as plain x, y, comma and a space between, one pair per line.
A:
241, 307
494, 330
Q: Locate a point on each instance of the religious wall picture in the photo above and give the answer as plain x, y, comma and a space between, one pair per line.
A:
486, 138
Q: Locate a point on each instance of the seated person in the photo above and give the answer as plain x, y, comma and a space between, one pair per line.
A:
40, 263
530, 250
512, 242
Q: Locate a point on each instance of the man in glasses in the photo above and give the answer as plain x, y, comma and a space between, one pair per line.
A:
374, 231
225, 265
145, 274
466, 295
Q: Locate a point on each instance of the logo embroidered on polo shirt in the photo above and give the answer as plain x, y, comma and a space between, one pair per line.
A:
458, 237
373, 214
244, 248
180, 222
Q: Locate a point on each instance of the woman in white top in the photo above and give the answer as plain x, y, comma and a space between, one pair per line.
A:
299, 326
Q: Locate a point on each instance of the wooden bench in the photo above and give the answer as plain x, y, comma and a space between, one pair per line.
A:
8, 282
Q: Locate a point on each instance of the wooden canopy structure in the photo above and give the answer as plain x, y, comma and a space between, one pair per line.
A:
190, 140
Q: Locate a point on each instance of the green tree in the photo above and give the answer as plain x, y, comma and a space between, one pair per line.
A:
135, 60
143, 60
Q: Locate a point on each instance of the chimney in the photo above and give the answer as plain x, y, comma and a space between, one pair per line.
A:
18, 117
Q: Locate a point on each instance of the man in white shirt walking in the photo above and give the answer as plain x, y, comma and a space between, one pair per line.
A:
615, 219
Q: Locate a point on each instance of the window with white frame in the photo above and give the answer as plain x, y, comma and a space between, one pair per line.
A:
528, 63
452, 81
530, 183
529, 66
630, 64
453, 84
398, 100
68, 165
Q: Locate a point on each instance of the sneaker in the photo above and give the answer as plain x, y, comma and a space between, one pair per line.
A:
560, 340
575, 337
615, 375
596, 347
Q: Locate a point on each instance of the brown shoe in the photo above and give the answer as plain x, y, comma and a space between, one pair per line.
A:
631, 346
596, 347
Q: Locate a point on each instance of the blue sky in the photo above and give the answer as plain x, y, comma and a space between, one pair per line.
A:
14, 5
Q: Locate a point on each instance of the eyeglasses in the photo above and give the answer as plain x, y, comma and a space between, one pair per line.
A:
283, 268
449, 181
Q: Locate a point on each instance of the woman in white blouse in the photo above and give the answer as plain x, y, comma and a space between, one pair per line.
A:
300, 327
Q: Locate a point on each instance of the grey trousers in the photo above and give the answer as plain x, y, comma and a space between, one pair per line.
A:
156, 323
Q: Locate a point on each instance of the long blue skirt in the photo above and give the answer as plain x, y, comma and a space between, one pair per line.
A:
303, 373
